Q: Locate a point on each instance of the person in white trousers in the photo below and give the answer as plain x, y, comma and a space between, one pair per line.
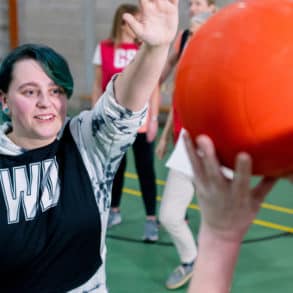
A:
177, 196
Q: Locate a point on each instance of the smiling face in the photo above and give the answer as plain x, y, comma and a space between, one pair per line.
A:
37, 106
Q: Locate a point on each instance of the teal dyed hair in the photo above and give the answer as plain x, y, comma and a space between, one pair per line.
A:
53, 64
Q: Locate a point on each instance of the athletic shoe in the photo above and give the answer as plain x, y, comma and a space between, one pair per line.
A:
114, 218
151, 231
179, 277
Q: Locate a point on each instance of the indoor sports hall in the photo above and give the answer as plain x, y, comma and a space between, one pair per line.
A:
74, 28
265, 263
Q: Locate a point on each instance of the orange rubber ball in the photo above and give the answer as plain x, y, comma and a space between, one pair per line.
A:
234, 83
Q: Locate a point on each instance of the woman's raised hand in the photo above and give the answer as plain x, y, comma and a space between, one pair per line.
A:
158, 21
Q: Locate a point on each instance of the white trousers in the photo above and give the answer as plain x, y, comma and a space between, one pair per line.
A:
177, 196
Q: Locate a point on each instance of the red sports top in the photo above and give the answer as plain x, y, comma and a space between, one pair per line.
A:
115, 58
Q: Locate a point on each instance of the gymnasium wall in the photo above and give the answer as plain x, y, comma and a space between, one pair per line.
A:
72, 27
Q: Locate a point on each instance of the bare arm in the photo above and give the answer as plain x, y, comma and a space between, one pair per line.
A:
214, 265
228, 207
152, 127
161, 148
169, 66
97, 85
156, 29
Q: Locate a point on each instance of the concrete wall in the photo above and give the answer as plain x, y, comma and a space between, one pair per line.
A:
72, 27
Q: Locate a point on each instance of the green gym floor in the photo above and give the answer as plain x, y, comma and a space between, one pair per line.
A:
266, 259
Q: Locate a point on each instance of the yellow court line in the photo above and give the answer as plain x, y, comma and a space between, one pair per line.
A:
258, 222
264, 205
273, 226
277, 208
131, 191
134, 176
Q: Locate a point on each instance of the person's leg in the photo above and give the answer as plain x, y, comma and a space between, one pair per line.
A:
115, 216
176, 198
144, 163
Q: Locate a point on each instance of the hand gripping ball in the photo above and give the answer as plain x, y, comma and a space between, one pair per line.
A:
235, 83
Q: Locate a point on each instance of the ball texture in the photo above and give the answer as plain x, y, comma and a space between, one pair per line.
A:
234, 83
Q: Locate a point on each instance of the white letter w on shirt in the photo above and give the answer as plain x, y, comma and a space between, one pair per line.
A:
23, 189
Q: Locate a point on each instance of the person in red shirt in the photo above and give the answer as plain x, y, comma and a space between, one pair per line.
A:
112, 55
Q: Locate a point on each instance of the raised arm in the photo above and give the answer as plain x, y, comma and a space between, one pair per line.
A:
153, 122
228, 208
172, 61
156, 28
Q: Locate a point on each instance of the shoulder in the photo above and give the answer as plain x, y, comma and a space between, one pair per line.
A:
106, 43
129, 46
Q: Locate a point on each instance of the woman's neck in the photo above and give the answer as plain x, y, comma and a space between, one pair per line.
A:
126, 39
28, 143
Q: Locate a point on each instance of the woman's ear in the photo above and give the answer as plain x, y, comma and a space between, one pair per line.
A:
3, 101
2, 97
5, 114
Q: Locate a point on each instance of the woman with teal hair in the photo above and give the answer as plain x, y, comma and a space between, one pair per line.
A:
52, 63
56, 173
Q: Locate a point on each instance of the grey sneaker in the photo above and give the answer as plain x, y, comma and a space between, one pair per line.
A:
151, 231
179, 277
114, 218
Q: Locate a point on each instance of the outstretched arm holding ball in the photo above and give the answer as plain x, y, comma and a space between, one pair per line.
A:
228, 207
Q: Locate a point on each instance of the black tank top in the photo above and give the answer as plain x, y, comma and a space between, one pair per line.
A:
50, 226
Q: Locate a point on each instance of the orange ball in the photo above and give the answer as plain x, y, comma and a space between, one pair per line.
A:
235, 83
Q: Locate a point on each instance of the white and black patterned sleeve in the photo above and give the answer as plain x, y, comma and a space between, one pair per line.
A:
103, 135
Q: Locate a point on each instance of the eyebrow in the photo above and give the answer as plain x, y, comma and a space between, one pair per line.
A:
27, 84
33, 84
